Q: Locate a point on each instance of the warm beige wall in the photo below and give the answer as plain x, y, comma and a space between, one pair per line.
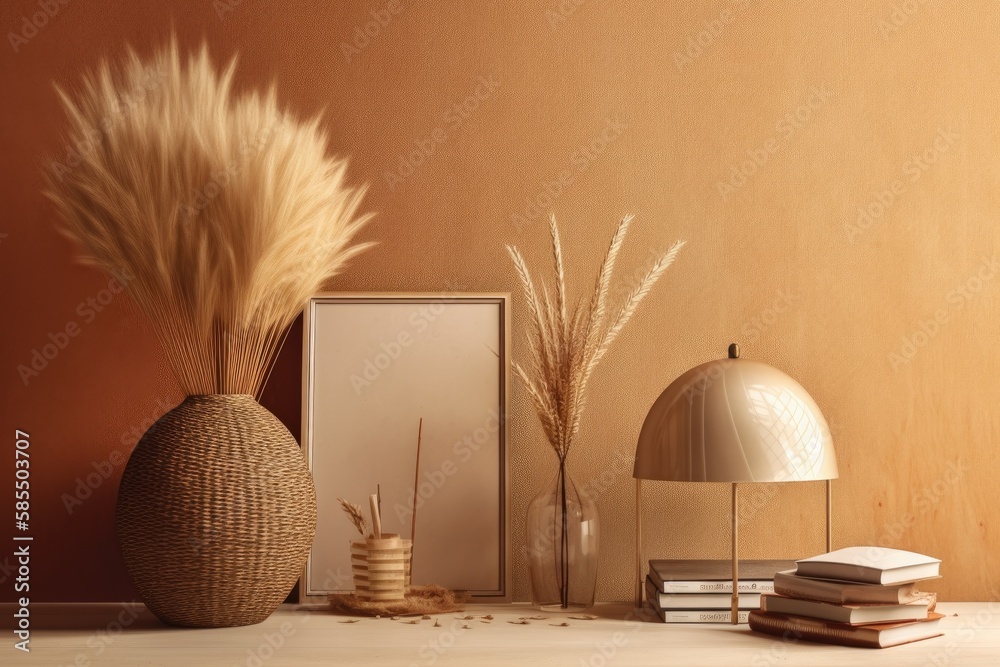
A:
888, 82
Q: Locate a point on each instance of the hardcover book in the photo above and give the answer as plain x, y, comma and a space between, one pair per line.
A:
791, 585
702, 601
697, 615
848, 614
714, 576
881, 635
872, 565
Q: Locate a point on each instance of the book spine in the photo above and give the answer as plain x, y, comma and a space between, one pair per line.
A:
716, 586
688, 605
702, 616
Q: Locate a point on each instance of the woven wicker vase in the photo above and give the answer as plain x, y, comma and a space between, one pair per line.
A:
216, 513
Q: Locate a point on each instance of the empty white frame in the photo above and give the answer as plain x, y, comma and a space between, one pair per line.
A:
373, 366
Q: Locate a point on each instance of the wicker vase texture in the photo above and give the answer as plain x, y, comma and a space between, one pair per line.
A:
216, 513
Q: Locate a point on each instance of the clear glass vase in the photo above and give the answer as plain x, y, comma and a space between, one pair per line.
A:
563, 535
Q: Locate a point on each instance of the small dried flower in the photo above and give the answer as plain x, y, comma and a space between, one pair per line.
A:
356, 516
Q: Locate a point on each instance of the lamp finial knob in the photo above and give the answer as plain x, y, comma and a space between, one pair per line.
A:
734, 351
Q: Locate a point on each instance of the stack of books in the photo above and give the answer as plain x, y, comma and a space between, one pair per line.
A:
700, 591
859, 596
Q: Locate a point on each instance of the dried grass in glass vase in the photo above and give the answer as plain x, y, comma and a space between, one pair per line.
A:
220, 214
565, 345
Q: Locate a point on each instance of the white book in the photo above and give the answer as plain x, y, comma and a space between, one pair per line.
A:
699, 616
872, 565
697, 601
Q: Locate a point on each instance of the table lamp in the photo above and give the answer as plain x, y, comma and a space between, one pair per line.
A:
733, 420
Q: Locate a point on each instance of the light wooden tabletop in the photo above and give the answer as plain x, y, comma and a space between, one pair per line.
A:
128, 636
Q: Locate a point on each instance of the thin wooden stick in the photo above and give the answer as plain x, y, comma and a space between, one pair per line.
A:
416, 480
376, 519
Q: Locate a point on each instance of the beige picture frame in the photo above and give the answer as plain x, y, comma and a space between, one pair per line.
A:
374, 364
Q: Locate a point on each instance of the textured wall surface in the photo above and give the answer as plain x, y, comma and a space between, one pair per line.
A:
833, 167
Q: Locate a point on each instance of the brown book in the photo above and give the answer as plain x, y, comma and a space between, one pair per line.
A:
791, 585
881, 635
849, 614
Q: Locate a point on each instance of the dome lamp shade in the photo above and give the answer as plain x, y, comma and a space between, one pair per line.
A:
733, 420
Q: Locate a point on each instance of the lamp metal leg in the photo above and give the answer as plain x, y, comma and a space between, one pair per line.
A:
736, 535
638, 543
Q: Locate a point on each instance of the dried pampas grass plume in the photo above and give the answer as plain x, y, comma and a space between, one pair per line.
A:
356, 516
565, 345
221, 214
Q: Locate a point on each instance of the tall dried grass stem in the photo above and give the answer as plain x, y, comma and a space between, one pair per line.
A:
220, 213
565, 347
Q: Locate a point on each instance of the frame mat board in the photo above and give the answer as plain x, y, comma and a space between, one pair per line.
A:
374, 365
